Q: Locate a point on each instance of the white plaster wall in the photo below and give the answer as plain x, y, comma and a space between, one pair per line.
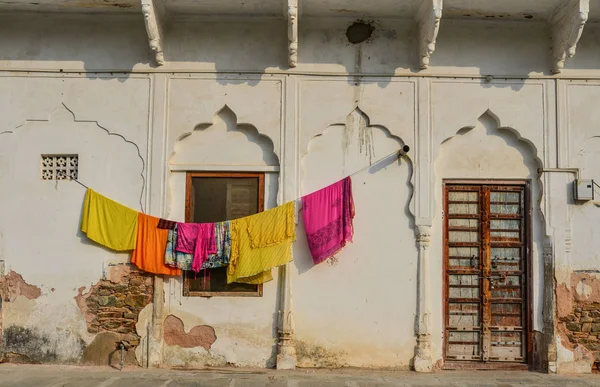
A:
584, 153
82, 42
40, 219
357, 309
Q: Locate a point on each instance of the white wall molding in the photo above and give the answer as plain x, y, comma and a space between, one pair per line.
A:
223, 168
154, 18
428, 24
567, 24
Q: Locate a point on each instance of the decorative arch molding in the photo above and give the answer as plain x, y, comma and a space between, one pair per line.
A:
360, 125
64, 113
357, 114
498, 127
490, 115
230, 119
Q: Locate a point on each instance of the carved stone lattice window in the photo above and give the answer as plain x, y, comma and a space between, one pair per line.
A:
60, 167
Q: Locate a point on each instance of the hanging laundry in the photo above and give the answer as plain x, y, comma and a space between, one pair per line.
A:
197, 239
167, 224
328, 219
223, 245
149, 253
173, 257
109, 223
259, 243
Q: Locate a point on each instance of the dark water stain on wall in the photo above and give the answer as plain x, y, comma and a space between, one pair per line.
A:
29, 345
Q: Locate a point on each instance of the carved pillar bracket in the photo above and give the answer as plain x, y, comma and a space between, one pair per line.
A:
154, 18
566, 27
422, 360
428, 24
292, 18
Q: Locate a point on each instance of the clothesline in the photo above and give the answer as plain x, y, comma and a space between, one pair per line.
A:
399, 152
250, 246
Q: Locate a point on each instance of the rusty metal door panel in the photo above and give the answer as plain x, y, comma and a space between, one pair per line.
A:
485, 279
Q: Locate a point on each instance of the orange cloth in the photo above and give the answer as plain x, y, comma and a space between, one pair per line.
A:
149, 253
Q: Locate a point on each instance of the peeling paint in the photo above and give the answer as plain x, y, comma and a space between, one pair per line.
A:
112, 308
199, 336
564, 301
13, 285
578, 310
114, 304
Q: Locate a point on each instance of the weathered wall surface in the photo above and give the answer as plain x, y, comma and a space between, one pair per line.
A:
578, 305
41, 241
339, 136
137, 133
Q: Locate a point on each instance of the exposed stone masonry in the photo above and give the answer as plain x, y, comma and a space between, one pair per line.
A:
114, 305
583, 326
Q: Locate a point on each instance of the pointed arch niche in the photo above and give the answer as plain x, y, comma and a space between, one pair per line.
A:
343, 148
382, 252
487, 151
224, 144
108, 160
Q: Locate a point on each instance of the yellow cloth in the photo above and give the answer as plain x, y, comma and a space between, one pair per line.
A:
109, 223
259, 243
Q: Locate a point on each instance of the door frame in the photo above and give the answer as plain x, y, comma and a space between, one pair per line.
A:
453, 364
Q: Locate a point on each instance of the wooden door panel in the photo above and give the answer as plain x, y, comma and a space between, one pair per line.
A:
486, 293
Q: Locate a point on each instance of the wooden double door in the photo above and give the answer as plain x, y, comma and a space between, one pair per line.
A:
486, 241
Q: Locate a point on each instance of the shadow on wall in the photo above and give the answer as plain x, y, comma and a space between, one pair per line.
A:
112, 44
489, 47
119, 43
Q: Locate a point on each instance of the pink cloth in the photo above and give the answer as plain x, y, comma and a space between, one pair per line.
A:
328, 215
197, 239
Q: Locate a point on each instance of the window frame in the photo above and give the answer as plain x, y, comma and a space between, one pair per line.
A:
188, 216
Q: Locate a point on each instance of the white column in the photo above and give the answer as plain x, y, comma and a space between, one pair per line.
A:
286, 349
286, 346
423, 198
155, 205
422, 361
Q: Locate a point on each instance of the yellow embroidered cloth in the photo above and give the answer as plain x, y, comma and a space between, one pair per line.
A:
259, 243
109, 223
